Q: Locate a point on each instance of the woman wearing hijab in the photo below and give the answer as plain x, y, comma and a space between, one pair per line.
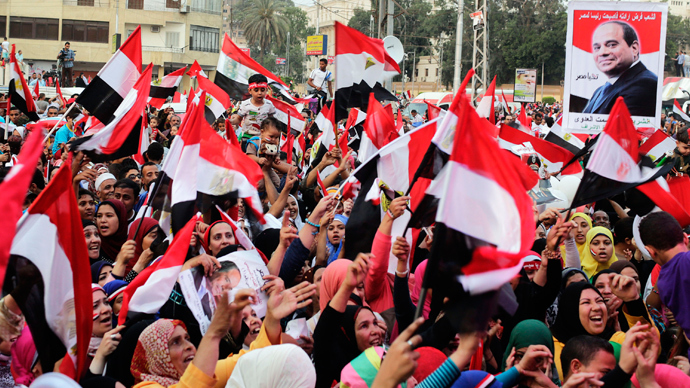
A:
343, 331
333, 278
279, 366
146, 234
24, 359
330, 241
526, 333
111, 220
218, 235
101, 273
93, 240
598, 253
576, 243
292, 209
568, 276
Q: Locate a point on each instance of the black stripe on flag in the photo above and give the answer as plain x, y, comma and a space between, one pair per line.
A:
162, 92
561, 142
236, 90
128, 148
100, 100
365, 217
25, 281
19, 101
357, 96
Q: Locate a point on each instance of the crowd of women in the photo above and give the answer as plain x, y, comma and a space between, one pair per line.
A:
595, 306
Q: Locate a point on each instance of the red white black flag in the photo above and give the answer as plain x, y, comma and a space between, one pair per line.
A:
160, 91
20, 94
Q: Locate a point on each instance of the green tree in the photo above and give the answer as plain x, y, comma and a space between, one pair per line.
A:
677, 36
265, 22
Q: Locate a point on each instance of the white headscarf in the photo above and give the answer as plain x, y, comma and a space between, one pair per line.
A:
298, 219
277, 366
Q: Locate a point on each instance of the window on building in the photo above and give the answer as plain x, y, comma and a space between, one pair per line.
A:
416, 72
135, 4
172, 39
87, 3
34, 28
3, 25
206, 6
426, 72
172, 3
203, 39
85, 31
437, 71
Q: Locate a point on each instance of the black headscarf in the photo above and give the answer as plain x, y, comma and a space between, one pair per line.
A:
96, 270
568, 324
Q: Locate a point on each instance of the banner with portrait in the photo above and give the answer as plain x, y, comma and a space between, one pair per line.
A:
525, 89
613, 49
240, 269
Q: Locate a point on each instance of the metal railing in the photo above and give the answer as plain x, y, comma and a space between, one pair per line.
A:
174, 50
87, 3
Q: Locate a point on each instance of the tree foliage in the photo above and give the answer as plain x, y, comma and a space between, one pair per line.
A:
265, 22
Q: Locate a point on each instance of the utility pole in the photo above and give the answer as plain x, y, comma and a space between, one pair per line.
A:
440, 64
316, 2
117, 16
480, 55
381, 12
389, 18
288, 54
457, 72
542, 81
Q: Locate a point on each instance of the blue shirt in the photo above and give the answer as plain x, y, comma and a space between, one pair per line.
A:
69, 54
62, 136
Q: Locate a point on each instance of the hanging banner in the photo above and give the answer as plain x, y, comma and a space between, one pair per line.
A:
477, 20
525, 89
613, 49
280, 61
317, 44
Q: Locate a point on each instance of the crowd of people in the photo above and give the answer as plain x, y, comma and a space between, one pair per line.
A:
600, 299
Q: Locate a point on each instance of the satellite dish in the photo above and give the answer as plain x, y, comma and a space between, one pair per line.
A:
394, 48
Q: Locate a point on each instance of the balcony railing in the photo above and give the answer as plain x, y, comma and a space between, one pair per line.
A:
174, 50
87, 3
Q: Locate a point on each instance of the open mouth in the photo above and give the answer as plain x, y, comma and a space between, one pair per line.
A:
189, 358
597, 319
255, 331
105, 319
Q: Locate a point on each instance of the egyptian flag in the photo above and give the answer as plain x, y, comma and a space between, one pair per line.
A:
217, 102
13, 189
658, 145
59, 93
616, 164
432, 110
679, 111
47, 124
486, 105
167, 87
49, 273
122, 136
552, 157
36, 93
327, 141
144, 141
355, 117
482, 202
670, 196
149, 291
379, 130
107, 91
523, 119
288, 114
564, 139
195, 70
361, 65
20, 94
234, 69
212, 168
92, 125
387, 175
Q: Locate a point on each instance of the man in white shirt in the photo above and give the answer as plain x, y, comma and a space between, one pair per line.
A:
416, 118
318, 79
539, 127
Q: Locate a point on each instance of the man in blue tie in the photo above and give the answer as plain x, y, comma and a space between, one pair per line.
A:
616, 52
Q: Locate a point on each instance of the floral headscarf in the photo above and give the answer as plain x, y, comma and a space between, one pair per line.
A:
151, 361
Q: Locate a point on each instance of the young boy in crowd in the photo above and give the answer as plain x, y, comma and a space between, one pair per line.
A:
682, 152
253, 111
265, 149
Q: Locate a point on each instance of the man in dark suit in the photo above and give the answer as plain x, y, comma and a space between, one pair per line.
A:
616, 51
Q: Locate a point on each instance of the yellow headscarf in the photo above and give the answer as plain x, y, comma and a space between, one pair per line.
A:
580, 247
589, 264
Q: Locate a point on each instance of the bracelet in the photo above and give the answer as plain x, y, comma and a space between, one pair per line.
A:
402, 274
312, 224
390, 214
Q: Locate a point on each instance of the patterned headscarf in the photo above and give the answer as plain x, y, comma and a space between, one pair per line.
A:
361, 372
151, 361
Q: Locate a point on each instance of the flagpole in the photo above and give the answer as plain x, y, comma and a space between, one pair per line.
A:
146, 206
7, 117
58, 122
431, 268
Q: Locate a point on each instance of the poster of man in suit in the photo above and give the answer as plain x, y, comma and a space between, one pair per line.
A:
613, 50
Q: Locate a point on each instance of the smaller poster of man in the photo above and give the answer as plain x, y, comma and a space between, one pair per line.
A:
525, 89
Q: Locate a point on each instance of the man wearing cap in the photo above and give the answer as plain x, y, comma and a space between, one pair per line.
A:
105, 186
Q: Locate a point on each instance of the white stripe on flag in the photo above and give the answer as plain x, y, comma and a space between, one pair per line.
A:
120, 73
102, 138
147, 298
611, 161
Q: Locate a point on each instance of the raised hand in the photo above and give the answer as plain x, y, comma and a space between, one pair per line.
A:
283, 303
357, 271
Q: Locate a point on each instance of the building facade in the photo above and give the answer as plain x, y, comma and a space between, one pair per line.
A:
174, 32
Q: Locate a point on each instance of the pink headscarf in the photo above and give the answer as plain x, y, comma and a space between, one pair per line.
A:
417, 289
23, 356
667, 376
151, 360
333, 277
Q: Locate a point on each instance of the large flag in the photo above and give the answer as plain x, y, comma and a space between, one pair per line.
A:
19, 91
385, 176
13, 189
122, 136
361, 65
218, 169
671, 196
679, 111
149, 291
552, 157
432, 111
162, 89
50, 267
564, 139
379, 130
616, 164
234, 69
216, 102
325, 120
658, 145
115, 80
288, 114
486, 105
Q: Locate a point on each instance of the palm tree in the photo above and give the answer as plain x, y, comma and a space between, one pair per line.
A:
265, 23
